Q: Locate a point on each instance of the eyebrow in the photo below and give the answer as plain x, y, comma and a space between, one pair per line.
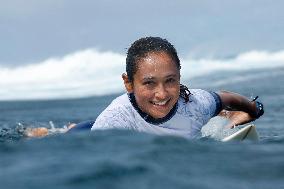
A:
151, 77
171, 75
148, 78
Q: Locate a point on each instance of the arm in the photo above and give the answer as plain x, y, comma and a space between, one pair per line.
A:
240, 109
36, 132
43, 131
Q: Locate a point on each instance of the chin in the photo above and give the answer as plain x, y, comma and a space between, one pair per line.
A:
158, 116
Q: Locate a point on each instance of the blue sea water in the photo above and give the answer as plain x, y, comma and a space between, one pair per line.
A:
126, 159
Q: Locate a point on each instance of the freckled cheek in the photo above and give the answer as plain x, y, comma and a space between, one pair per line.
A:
143, 96
146, 95
174, 91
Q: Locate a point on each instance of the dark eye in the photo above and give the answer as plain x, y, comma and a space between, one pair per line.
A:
170, 80
148, 83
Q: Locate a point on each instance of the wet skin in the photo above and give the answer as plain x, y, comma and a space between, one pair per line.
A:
156, 84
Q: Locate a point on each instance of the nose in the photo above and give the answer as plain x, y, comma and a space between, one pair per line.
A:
161, 92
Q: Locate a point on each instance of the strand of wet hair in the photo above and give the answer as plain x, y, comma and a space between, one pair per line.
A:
184, 93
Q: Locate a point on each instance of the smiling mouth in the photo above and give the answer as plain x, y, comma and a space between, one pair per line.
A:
160, 103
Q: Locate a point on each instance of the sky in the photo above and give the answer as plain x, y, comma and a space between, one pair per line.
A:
33, 31
56, 49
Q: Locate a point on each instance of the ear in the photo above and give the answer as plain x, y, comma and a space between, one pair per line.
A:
128, 85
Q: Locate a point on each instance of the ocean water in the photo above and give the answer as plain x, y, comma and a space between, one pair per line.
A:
126, 159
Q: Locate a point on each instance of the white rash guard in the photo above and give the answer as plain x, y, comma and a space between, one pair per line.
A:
185, 119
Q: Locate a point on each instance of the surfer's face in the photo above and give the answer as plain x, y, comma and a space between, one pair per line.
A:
156, 84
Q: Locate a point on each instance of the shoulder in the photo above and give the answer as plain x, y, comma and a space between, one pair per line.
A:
121, 100
116, 115
204, 95
200, 93
120, 105
206, 101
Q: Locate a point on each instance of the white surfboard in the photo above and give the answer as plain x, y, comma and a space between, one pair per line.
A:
246, 133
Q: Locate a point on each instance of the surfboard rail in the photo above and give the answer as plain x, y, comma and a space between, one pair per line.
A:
248, 132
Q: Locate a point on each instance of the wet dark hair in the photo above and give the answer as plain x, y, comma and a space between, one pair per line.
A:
142, 47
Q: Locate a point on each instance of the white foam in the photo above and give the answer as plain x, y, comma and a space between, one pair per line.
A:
91, 72
83, 73
245, 61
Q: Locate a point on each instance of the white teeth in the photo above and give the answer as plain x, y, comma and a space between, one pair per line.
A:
160, 103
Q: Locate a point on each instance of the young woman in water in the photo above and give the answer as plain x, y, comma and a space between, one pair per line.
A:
157, 103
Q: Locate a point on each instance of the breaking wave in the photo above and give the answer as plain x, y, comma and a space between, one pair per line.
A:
91, 72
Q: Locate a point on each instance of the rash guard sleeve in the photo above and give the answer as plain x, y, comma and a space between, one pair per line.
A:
113, 118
